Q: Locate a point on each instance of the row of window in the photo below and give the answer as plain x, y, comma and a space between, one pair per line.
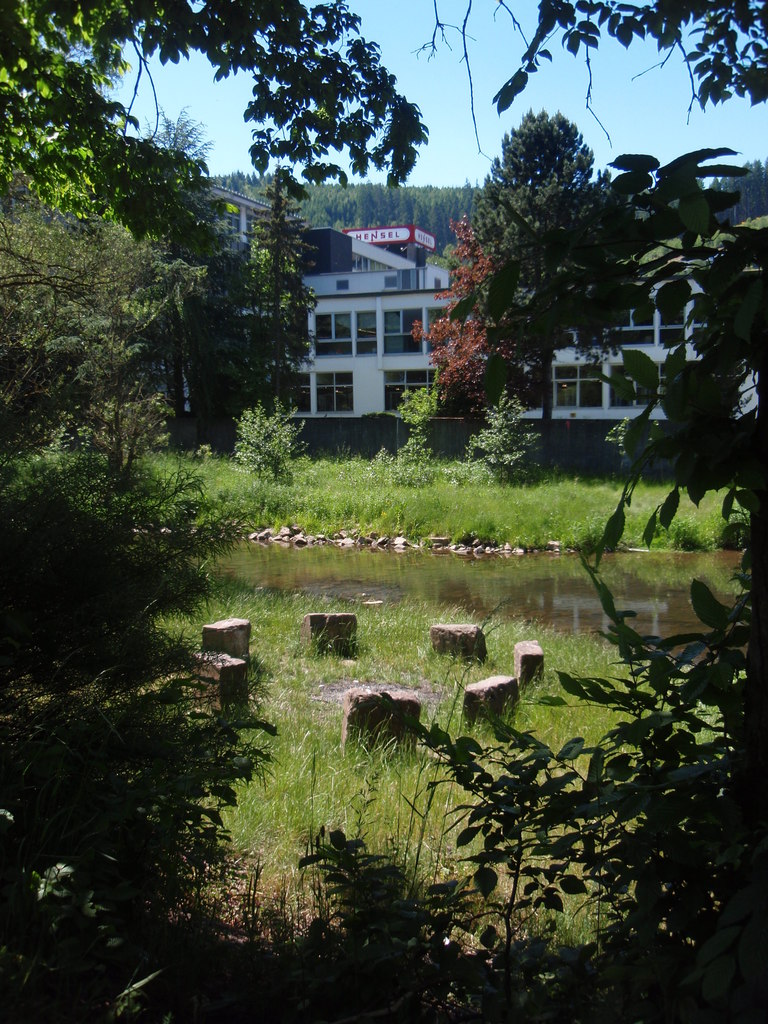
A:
575, 387
334, 391
337, 333
580, 387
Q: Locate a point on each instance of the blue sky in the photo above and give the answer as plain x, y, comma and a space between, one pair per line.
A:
643, 108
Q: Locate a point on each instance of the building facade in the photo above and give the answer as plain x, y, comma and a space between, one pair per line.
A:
372, 285
368, 296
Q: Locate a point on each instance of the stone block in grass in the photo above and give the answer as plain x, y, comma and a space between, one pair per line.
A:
529, 661
378, 716
229, 675
490, 696
334, 632
462, 640
228, 636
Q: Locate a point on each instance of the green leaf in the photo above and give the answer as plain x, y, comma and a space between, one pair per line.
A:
695, 213
552, 701
572, 885
631, 183
463, 308
504, 97
668, 509
466, 835
753, 948
595, 770
501, 291
571, 749
623, 387
650, 529
486, 880
717, 978
338, 839
635, 432
707, 607
728, 503
742, 324
635, 162
574, 687
495, 377
639, 366
672, 298
748, 500
614, 529
717, 944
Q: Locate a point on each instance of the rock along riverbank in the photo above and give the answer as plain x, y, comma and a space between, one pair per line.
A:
294, 536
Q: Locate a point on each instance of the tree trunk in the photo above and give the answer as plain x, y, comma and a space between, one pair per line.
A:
755, 786
546, 388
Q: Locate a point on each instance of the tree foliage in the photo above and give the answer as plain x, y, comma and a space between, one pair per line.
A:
724, 46
752, 189
662, 243
277, 299
77, 302
505, 444
542, 182
267, 443
460, 346
318, 89
693, 715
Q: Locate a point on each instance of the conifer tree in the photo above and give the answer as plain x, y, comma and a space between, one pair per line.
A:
545, 176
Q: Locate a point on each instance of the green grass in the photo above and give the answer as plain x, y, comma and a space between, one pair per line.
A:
385, 794
399, 800
460, 500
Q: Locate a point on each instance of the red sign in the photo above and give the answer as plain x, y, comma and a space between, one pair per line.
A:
399, 234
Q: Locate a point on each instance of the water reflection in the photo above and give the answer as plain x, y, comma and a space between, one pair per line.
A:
553, 589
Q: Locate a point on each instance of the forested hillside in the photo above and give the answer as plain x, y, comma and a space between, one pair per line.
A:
434, 208
754, 192
368, 205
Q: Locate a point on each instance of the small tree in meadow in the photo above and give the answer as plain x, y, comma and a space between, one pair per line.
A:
505, 444
413, 466
267, 444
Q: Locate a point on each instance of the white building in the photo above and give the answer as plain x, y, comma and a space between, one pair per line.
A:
373, 284
579, 393
369, 295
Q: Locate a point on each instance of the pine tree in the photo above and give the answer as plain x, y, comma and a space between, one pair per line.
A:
277, 297
544, 176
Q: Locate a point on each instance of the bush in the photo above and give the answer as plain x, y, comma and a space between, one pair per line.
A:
111, 778
414, 462
505, 444
267, 444
642, 829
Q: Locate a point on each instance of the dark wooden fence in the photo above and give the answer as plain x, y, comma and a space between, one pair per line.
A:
577, 446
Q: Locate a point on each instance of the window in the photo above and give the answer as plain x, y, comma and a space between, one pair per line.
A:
333, 334
636, 331
366, 333
396, 382
618, 401
578, 387
334, 392
303, 394
671, 332
434, 314
342, 284
398, 331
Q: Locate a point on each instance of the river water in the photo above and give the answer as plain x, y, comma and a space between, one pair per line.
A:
547, 588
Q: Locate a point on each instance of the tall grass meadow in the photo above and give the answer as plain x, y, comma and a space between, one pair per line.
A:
460, 499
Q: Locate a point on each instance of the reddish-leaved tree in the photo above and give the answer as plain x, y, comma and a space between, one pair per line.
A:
460, 348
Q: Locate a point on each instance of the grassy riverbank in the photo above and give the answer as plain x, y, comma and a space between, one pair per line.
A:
385, 796
460, 500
